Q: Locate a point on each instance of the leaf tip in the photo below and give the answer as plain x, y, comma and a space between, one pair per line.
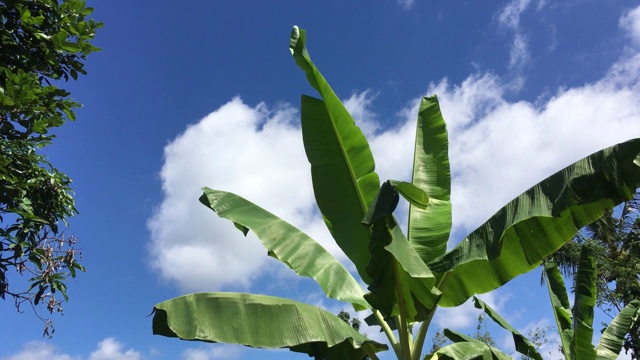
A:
296, 40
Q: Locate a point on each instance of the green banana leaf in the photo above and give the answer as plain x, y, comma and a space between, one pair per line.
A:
522, 344
612, 339
398, 274
429, 228
342, 166
289, 245
263, 322
467, 348
536, 223
560, 305
585, 300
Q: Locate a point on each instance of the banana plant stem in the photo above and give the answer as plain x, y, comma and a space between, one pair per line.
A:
418, 344
388, 332
403, 332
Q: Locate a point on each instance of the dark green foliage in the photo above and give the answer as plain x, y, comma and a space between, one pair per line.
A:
615, 239
355, 324
43, 44
482, 333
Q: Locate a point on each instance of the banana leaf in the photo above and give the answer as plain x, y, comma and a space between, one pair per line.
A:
263, 322
522, 344
429, 228
467, 348
286, 243
585, 300
560, 305
399, 276
612, 339
342, 166
536, 223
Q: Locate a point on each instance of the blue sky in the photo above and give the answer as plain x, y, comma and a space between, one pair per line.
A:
206, 94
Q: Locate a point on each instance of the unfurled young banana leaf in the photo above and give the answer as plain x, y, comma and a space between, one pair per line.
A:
560, 306
583, 304
408, 278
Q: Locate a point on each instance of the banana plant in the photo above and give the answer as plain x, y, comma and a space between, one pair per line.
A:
575, 326
407, 276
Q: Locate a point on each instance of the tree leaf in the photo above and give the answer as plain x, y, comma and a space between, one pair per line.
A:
342, 166
397, 273
288, 244
413, 194
429, 228
522, 344
261, 321
560, 305
612, 339
467, 350
538, 222
344, 182
585, 300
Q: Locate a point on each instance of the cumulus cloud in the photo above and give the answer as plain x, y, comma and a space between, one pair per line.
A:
466, 314
37, 350
255, 152
630, 22
108, 349
111, 349
500, 148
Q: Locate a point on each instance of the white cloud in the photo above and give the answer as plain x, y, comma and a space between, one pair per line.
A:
509, 19
111, 349
108, 349
507, 147
630, 22
38, 350
254, 152
359, 106
211, 352
466, 315
406, 4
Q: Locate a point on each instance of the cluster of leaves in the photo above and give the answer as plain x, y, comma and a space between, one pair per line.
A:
574, 324
354, 322
615, 238
408, 278
44, 42
439, 340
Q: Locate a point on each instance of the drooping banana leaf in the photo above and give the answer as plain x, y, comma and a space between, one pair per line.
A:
522, 344
342, 166
612, 339
560, 305
536, 223
400, 280
429, 228
263, 322
467, 348
286, 243
585, 300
